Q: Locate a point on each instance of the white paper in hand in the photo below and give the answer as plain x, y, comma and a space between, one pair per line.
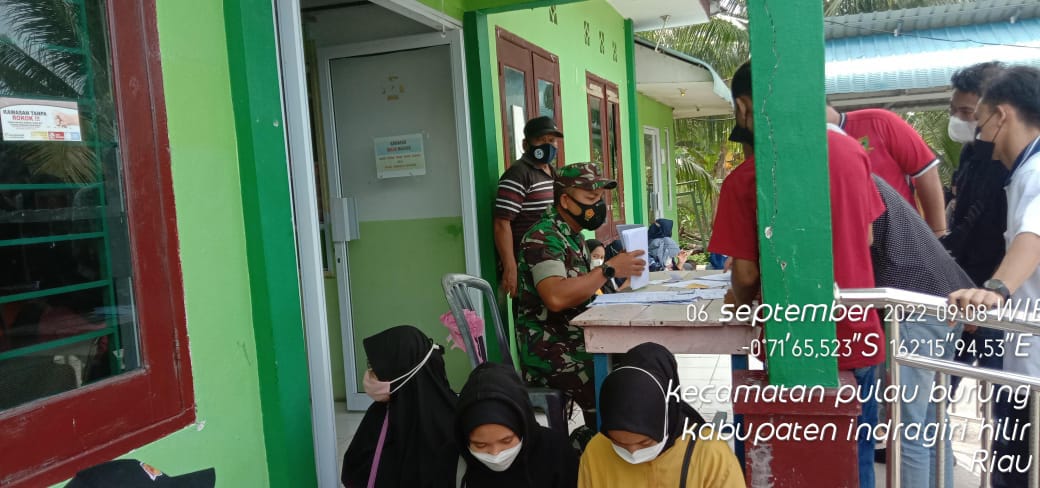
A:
636, 240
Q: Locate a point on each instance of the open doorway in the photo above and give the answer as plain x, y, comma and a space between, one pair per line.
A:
381, 87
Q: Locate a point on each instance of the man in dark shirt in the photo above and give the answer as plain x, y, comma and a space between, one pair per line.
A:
525, 190
906, 255
976, 238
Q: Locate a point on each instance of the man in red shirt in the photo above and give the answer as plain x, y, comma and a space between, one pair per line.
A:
899, 156
855, 204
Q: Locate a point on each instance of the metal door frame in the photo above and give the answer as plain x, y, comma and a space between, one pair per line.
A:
657, 163
453, 39
289, 29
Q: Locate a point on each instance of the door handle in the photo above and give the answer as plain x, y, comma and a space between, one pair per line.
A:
345, 226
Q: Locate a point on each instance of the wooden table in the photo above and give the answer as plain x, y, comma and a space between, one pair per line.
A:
618, 328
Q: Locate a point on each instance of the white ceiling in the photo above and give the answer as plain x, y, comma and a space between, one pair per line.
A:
646, 14
691, 90
357, 23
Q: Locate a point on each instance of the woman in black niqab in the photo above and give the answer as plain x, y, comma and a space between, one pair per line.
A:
421, 413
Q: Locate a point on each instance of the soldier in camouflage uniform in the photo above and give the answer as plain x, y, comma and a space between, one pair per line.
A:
556, 284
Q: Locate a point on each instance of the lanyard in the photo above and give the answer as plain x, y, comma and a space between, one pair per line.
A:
1030, 150
379, 449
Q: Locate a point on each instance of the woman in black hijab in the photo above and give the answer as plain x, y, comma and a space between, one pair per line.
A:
500, 442
641, 440
409, 425
655, 357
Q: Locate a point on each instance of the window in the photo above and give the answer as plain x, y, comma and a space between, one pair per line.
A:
651, 164
529, 84
605, 141
93, 356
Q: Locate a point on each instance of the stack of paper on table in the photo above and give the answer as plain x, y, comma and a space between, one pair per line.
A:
698, 283
635, 239
650, 297
724, 277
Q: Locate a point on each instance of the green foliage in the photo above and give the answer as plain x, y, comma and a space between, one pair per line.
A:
932, 126
698, 258
724, 45
846, 7
703, 157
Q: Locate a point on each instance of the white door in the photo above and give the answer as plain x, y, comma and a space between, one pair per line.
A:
654, 179
400, 182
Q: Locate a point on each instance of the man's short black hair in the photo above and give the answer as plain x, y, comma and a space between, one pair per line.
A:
741, 83
1018, 86
974, 78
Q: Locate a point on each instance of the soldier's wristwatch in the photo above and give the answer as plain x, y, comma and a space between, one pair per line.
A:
608, 270
998, 286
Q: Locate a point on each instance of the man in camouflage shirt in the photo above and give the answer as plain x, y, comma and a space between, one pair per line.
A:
556, 284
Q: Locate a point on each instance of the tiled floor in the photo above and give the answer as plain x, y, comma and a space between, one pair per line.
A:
702, 370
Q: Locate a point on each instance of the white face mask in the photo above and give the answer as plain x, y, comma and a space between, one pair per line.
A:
501, 461
647, 453
642, 455
961, 131
595, 263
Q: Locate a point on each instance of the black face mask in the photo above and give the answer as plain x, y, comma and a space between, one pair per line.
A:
544, 153
741, 135
984, 149
591, 217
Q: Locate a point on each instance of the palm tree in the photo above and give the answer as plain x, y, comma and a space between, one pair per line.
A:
704, 156
847, 7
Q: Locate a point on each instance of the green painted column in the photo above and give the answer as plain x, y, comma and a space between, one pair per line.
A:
480, 76
791, 164
636, 170
270, 243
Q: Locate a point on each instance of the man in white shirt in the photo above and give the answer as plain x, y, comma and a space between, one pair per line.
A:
1009, 124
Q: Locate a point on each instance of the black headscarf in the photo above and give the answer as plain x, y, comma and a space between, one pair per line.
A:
421, 415
630, 400
494, 395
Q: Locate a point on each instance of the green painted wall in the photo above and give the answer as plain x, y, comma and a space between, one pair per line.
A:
656, 114
566, 39
229, 432
423, 250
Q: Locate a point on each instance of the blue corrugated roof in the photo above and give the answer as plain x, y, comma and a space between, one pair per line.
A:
912, 61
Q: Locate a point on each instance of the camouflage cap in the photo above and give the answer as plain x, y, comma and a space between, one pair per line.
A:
583, 175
